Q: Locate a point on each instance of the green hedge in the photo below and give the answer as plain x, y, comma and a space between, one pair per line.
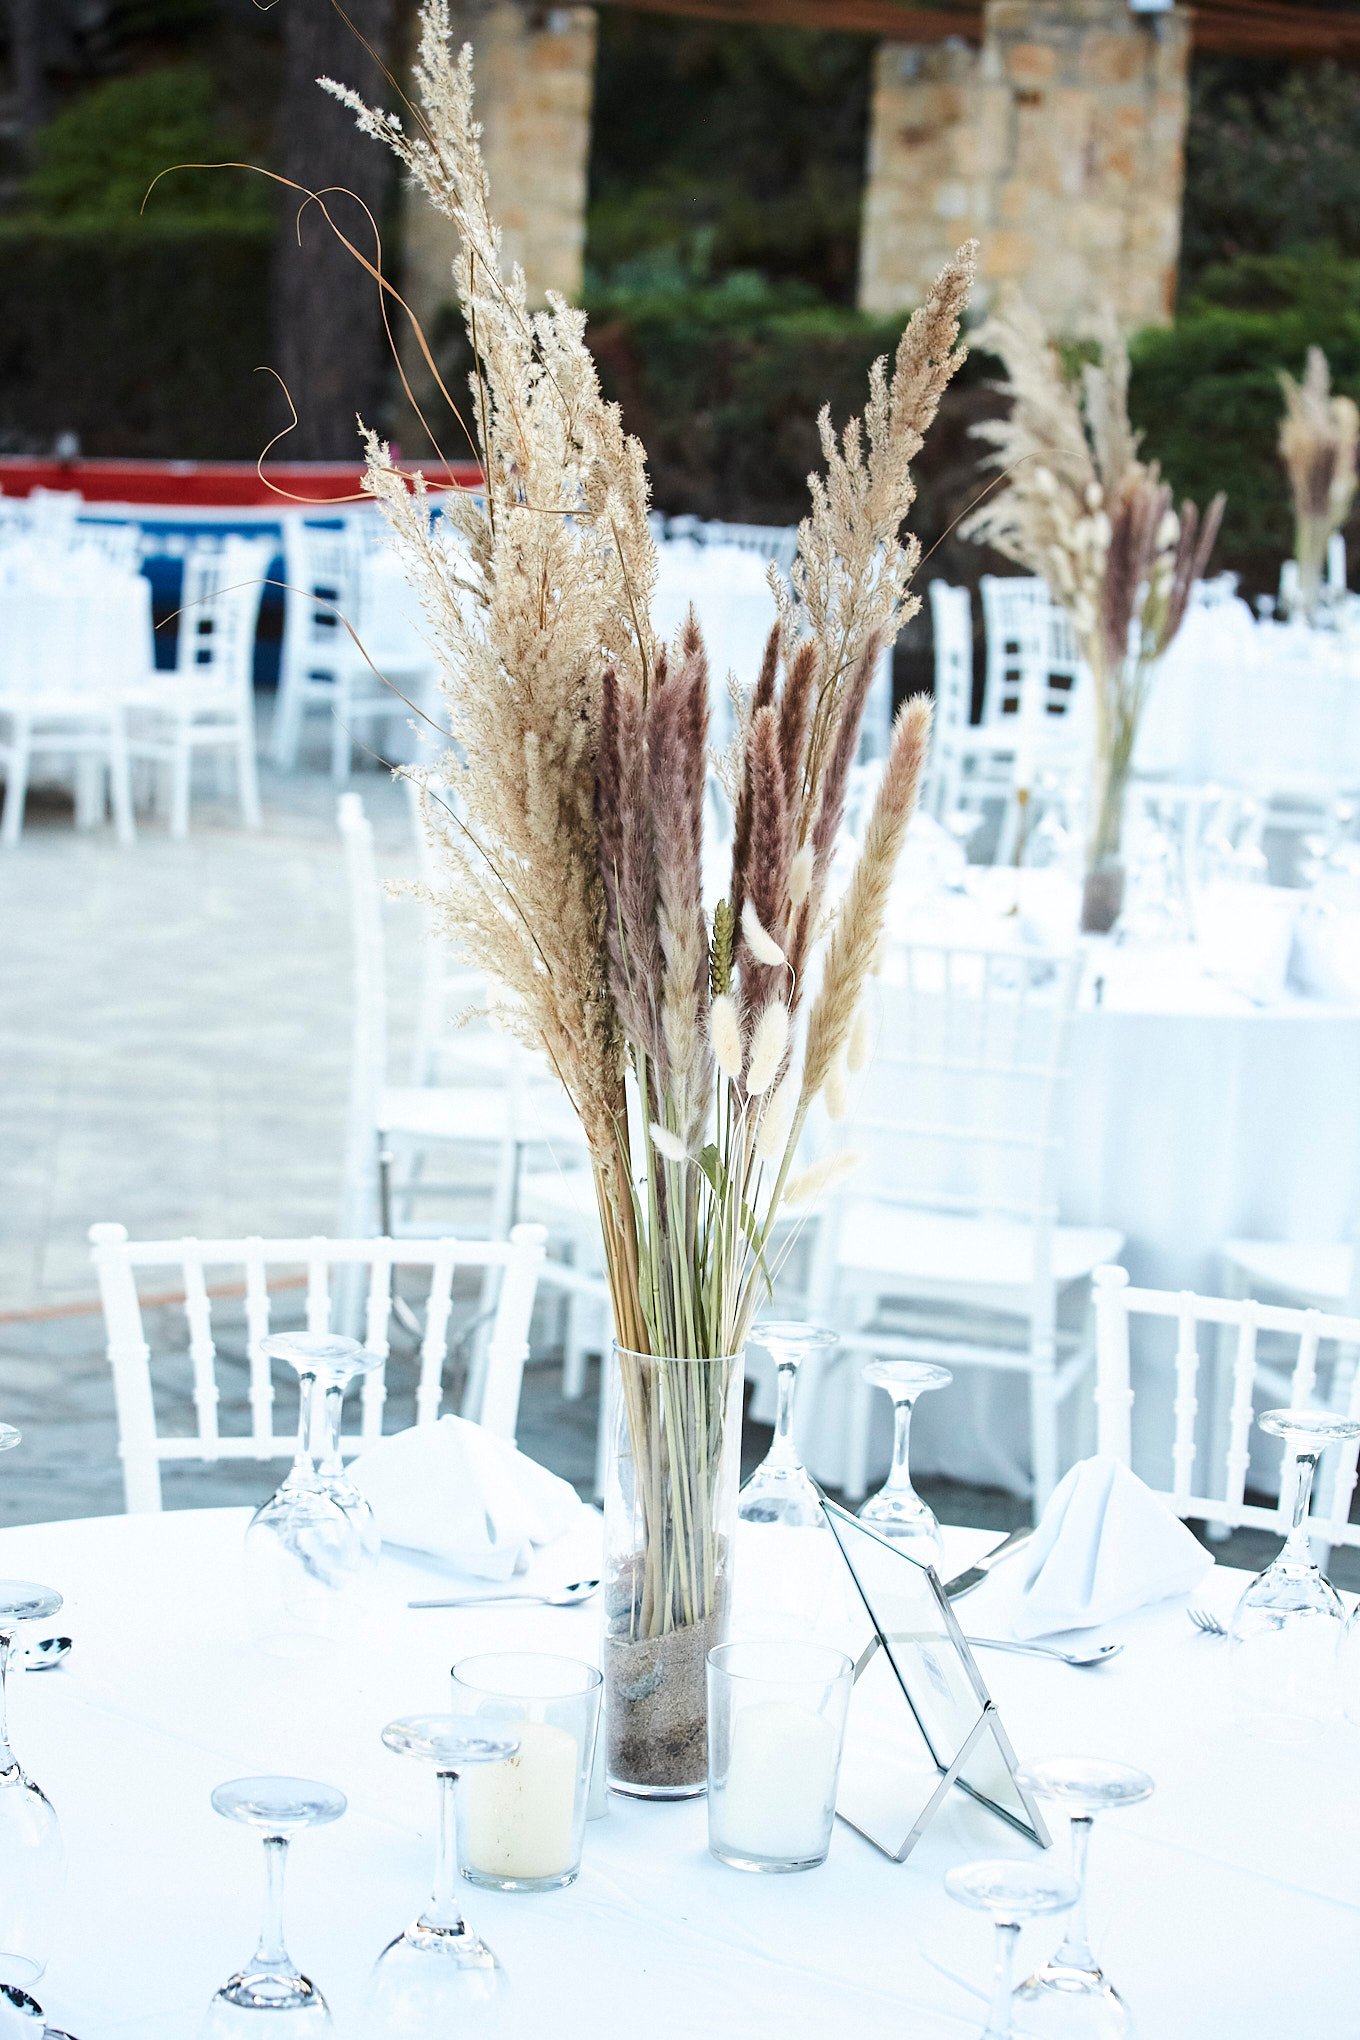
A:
143, 340
1206, 391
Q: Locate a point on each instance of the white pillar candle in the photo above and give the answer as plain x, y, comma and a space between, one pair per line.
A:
517, 1816
781, 1777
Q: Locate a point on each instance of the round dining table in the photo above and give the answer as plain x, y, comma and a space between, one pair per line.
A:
1229, 1903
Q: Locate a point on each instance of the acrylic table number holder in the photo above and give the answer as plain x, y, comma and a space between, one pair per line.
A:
921, 1719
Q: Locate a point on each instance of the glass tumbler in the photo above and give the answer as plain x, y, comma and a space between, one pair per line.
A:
521, 1823
776, 1726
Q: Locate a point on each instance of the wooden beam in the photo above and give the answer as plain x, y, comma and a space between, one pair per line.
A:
1264, 28
889, 19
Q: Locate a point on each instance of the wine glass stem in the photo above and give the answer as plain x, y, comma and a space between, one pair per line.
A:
302, 1457
783, 1451
332, 1410
271, 1955
998, 2025
1075, 1952
442, 1910
1297, 1546
7, 1637
899, 1476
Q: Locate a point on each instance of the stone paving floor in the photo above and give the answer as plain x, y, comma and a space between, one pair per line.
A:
174, 1054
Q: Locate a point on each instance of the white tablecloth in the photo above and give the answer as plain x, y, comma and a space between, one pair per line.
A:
1266, 705
86, 631
1228, 1904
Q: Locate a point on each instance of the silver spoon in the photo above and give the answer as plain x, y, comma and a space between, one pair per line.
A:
1096, 1654
47, 1653
561, 1597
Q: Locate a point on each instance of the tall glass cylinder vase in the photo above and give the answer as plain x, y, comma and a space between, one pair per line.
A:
1102, 893
670, 1522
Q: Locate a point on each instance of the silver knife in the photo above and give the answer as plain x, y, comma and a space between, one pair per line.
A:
964, 1582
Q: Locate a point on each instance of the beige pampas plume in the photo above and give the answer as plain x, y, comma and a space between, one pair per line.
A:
776, 1119
759, 940
859, 924
724, 1032
821, 1177
861, 1040
835, 1091
666, 1144
769, 1039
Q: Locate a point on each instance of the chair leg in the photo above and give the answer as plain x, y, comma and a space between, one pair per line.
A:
1043, 1424
247, 776
89, 778
287, 733
120, 784
180, 770
342, 751
16, 783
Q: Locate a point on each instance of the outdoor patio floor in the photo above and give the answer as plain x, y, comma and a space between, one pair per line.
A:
174, 1054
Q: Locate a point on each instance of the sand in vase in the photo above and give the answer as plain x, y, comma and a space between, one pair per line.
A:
658, 1705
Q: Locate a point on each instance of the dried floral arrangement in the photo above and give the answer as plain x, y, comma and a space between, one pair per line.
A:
692, 1047
1319, 445
1080, 509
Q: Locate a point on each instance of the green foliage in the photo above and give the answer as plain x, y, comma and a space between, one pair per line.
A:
721, 148
1271, 162
143, 340
1206, 392
96, 159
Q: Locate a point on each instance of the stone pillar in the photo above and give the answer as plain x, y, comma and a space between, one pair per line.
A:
1059, 145
535, 72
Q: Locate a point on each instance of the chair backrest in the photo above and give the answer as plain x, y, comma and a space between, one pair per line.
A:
116, 540
50, 515
219, 611
959, 1108
369, 1068
1117, 1302
321, 564
1034, 669
951, 615
243, 1268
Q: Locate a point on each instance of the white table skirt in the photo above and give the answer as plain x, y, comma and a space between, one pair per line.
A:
1263, 705
1229, 1904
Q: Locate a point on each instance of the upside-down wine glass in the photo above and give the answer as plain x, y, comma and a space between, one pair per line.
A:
781, 1489
897, 1511
269, 1994
1070, 1992
1012, 1891
337, 1363
1286, 1628
32, 1859
301, 1546
438, 1970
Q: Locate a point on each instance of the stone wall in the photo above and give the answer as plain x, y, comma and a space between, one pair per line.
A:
535, 69
1059, 144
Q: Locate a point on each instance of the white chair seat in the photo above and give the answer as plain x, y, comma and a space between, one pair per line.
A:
1298, 1268
464, 1113
936, 1251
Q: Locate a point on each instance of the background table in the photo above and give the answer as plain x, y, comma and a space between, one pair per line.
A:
1230, 1903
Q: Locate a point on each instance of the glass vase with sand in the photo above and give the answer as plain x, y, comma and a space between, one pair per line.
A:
670, 1519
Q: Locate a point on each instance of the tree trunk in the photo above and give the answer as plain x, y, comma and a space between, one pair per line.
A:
26, 60
330, 347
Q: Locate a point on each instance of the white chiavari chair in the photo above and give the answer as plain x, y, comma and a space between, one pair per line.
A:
244, 1268
320, 593
207, 703
969, 762
945, 1244
1209, 1467
1034, 688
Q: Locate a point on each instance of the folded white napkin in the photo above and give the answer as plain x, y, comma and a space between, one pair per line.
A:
1105, 1545
453, 1491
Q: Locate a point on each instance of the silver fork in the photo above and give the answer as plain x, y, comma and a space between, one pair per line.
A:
1205, 1623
